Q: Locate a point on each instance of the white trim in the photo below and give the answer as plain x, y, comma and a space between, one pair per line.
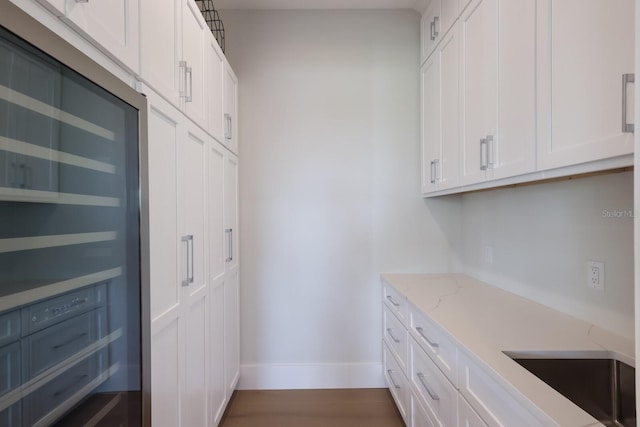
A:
53, 241
32, 150
40, 107
311, 376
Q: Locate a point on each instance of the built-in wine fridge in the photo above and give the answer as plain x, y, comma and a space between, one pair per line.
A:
72, 281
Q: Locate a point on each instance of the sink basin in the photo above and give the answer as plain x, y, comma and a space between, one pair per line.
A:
599, 383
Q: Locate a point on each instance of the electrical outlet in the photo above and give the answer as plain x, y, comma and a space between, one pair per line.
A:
595, 275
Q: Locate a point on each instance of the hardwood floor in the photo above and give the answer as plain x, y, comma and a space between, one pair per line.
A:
312, 408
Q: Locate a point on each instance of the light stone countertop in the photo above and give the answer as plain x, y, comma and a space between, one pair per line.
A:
485, 321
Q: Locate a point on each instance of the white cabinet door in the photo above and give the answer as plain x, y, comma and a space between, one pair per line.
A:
166, 291
216, 273
440, 116
478, 27
194, 30
231, 331
161, 47
230, 109
215, 88
113, 25
515, 144
192, 162
585, 48
430, 82
435, 23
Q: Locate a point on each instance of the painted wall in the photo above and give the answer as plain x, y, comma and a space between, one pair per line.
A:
329, 185
542, 237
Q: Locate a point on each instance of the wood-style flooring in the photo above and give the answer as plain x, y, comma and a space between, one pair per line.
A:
312, 408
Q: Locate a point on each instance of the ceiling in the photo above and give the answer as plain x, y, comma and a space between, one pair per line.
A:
418, 5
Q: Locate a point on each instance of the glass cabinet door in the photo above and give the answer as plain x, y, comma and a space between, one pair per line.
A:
69, 246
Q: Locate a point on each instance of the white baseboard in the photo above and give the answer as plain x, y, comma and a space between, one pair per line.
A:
311, 376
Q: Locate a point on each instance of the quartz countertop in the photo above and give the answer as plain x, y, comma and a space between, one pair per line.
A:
486, 321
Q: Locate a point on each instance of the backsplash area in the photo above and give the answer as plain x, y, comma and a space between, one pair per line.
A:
535, 241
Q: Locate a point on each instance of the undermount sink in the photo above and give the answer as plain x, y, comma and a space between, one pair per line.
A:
598, 382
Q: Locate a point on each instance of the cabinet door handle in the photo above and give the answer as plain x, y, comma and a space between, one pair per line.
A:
390, 298
390, 372
426, 338
432, 28
432, 174
390, 332
189, 77
626, 79
188, 239
483, 154
230, 126
82, 1
229, 232
490, 152
183, 79
436, 177
435, 30
431, 394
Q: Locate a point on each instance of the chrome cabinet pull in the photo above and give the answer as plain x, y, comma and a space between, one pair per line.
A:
432, 395
432, 174
227, 125
229, 232
436, 177
483, 154
183, 80
626, 79
432, 28
69, 341
230, 127
188, 239
390, 298
423, 335
435, 30
390, 332
490, 152
189, 87
390, 372
82, 1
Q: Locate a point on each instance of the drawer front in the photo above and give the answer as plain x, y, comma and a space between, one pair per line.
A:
396, 302
53, 345
419, 416
467, 417
397, 382
493, 402
9, 368
432, 388
55, 392
396, 336
9, 327
435, 343
55, 310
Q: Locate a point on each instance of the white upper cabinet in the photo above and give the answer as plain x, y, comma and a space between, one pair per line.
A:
436, 21
440, 116
215, 70
230, 109
478, 26
161, 47
585, 49
179, 70
498, 89
112, 26
194, 34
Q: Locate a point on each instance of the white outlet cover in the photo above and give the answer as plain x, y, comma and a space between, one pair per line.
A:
595, 275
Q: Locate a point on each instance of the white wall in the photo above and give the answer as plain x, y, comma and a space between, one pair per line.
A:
542, 237
329, 184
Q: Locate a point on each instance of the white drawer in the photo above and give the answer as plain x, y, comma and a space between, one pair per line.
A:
396, 302
396, 336
491, 399
397, 382
435, 342
419, 416
432, 388
467, 417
